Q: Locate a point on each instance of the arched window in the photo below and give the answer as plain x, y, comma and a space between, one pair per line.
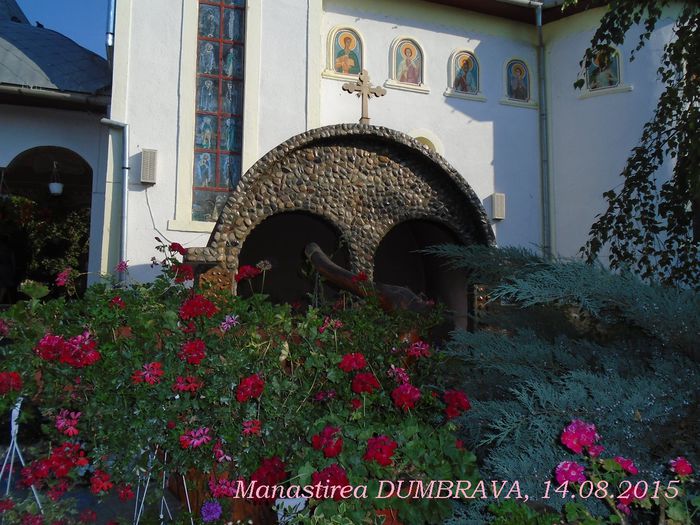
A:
219, 105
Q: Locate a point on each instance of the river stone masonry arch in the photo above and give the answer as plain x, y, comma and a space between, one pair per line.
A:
362, 179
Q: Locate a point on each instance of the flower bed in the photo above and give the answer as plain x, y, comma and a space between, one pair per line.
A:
140, 380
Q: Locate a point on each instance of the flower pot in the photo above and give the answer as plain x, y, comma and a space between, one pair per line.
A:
198, 492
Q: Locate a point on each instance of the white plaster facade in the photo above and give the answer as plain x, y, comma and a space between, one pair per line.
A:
495, 146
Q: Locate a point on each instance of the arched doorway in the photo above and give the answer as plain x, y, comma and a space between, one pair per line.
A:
399, 261
46, 200
280, 240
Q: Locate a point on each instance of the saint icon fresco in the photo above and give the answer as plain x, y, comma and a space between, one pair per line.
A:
348, 51
208, 21
409, 63
233, 61
205, 136
208, 93
604, 70
203, 170
466, 78
233, 19
518, 81
208, 58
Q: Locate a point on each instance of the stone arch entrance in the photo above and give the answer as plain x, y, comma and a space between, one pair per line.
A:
289, 281
364, 180
62, 215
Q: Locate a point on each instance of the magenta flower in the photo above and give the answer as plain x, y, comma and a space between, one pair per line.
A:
398, 374
122, 267
569, 471
626, 464
229, 322
681, 466
195, 438
579, 434
67, 422
63, 277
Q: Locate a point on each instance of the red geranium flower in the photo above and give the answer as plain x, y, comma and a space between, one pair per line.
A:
247, 272
177, 247
332, 476
681, 466
117, 302
359, 277
364, 383
329, 441
405, 396
457, 402
99, 482
125, 492
10, 382
6, 504
380, 449
187, 384
183, 272
252, 427
197, 306
270, 472
193, 351
150, 373
352, 362
356, 404
88, 516
250, 387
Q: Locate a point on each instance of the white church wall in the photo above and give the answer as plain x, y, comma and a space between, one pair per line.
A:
493, 145
592, 136
25, 128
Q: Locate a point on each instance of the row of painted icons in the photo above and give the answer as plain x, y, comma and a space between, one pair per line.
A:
408, 66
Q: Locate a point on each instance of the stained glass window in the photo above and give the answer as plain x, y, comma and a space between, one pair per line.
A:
219, 105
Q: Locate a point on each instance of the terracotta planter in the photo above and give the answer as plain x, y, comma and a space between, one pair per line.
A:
198, 490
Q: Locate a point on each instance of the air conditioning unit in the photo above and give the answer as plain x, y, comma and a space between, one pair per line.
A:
149, 159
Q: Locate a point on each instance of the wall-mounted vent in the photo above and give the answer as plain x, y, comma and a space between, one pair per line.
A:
498, 204
148, 166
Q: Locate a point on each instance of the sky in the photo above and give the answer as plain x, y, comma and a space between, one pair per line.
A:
84, 21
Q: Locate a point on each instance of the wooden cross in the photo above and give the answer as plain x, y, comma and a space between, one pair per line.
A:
365, 90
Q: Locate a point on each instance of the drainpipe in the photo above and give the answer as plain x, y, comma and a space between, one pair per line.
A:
125, 184
543, 129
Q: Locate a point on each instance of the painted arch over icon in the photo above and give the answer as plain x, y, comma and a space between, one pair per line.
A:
407, 65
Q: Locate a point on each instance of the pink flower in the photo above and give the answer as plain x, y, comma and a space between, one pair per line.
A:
229, 322
195, 438
579, 434
595, 450
219, 454
252, 427
122, 267
398, 374
150, 373
419, 349
352, 362
405, 396
63, 277
627, 465
67, 422
569, 471
681, 466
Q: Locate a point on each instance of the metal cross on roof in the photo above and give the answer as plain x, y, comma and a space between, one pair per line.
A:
364, 90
